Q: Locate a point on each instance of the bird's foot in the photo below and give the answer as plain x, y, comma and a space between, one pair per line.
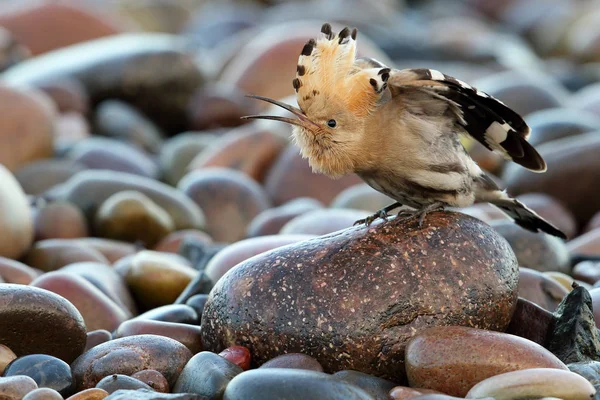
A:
369, 220
421, 213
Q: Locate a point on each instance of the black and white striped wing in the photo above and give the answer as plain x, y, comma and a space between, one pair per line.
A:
483, 117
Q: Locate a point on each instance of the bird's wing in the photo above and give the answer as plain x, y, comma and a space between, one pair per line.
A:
483, 117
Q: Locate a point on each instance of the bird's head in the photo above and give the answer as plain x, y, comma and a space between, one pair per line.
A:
336, 94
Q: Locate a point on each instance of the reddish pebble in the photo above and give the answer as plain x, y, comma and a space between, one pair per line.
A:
295, 361
239, 355
90, 394
154, 379
94, 338
404, 392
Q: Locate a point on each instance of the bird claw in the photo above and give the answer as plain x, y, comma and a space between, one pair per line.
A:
406, 215
369, 220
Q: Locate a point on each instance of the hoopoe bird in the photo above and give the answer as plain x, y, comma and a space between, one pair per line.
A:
399, 130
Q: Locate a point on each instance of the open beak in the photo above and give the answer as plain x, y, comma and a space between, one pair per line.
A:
302, 120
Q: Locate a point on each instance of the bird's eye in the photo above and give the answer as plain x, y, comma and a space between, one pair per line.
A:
332, 123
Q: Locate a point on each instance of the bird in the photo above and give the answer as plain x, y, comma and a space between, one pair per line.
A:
400, 131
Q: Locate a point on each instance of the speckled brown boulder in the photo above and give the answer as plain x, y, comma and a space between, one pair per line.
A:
352, 299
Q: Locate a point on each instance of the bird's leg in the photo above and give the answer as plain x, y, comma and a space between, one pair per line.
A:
383, 214
422, 212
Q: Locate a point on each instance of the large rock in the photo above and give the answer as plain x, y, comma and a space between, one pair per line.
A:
352, 299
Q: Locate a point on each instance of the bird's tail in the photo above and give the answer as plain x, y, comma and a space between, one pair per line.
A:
524, 216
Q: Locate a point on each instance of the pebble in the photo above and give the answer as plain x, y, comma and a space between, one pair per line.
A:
36, 321
46, 371
361, 197
291, 177
229, 199
291, 384
16, 220
531, 322
154, 379
188, 335
197, 302
405, 393
40, 176
378, 388
295, 361
130, 355
90, 394
53, 254
97, 309
43, 394
218, 105
452, 359
16, 272
94, 338
540, 289
60, 220
557, 123
113, 250
551, 210
68, 96
142, 394
131, 216
27, 126
6, 356
115, 382
206, 374
156, 280
173, 241
270, 221
179, 151
537, 251
237, 252
322, 222
239, 355
179, 313
16, 387
587, 271
587, 244
247, 149
269, 289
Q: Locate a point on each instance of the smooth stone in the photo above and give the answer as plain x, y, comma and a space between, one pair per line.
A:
37, 321
452, 359
39, 176
6, 356
593, 223
179, 313
572, 169
188, 335
90, 394
595, 294
557, 123
405, 393
270, 221
540, 289
121, 121
68, 95
291, 177
268, 288
115, 382
60, 220
565, 280
239, 355
11, 50
178, 152
94, 338
154, 379
53, 254
295, 361
235, 253
531, 322
16, 272
142, 394
587, 244
43, 394
229, 199
131, 216
155, 279
361, 197
16, 219
247, 149
114, 155
324, 221
378, 388
97, 309
89, 189
118, 67
587, 271
26, 133
197, 302
206, 374
46, 371
107, 280
16, 387
71, 129
130, 355
113, 250
173, 241
590, 370
292, 384
538, 251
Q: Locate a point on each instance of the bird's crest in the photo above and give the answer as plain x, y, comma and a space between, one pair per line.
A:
326, 67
